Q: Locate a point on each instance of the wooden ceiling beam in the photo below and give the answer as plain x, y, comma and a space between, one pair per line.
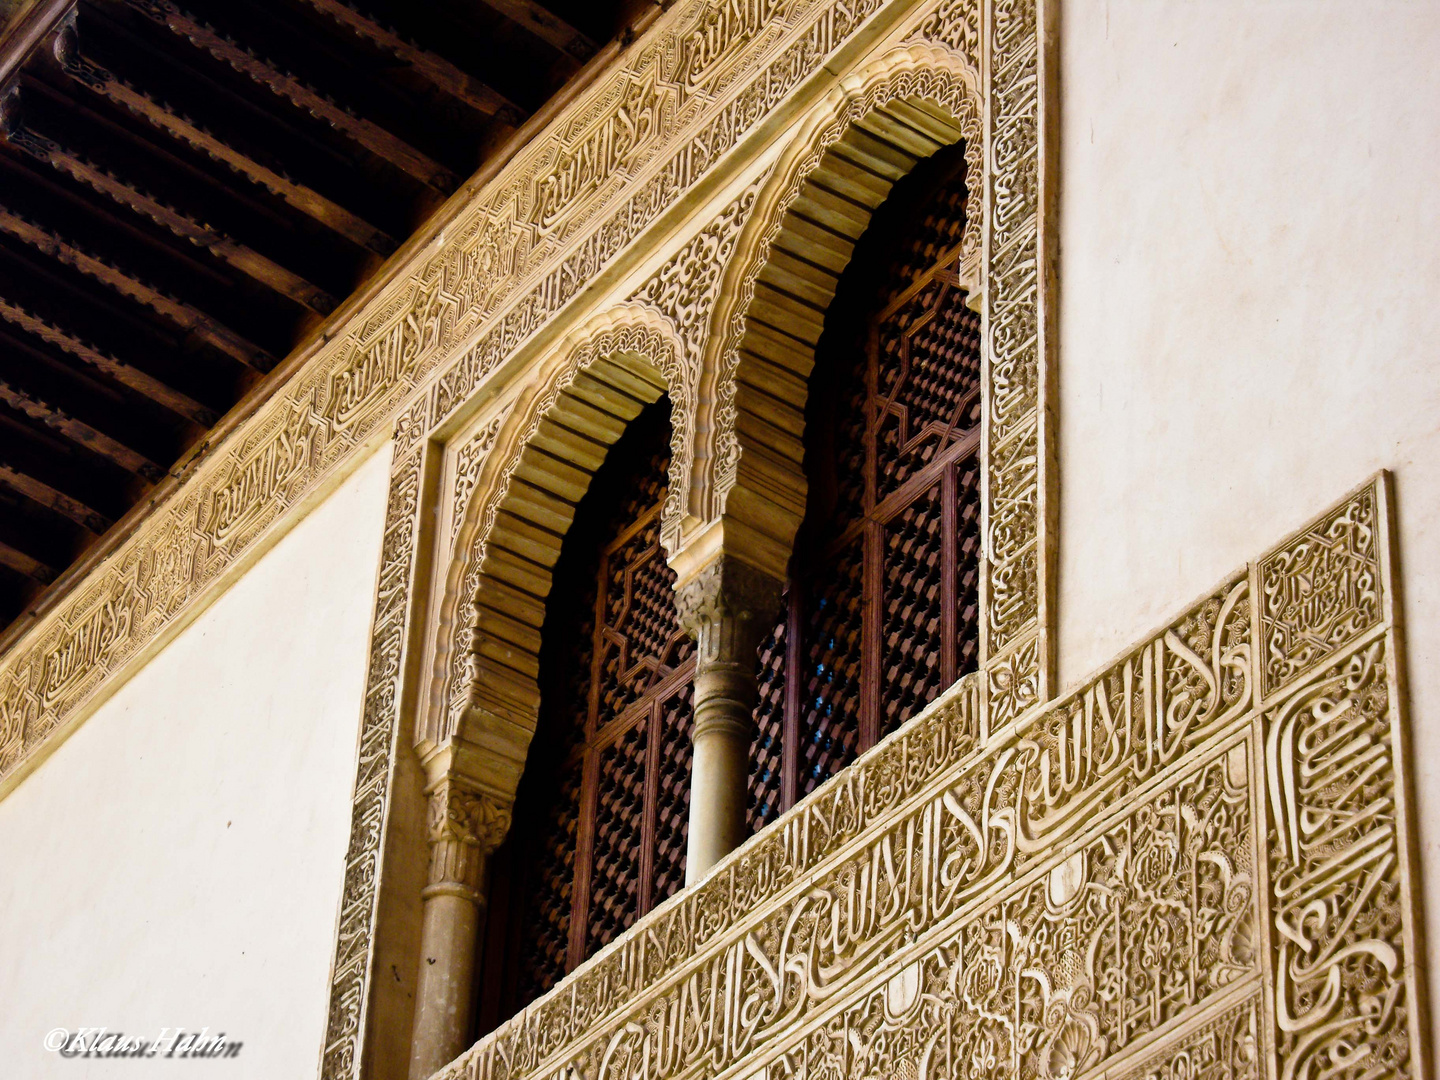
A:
436, 70
37, 491
230, 251
26, 565
80, 433
128, 375
305, 199
546, 25
380, 142
192, 321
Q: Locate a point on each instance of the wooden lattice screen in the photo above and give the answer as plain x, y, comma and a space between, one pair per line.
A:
600, 818
882, 613
882, 619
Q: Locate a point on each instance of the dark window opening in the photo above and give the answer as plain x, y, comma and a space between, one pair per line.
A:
882, 609
600, 817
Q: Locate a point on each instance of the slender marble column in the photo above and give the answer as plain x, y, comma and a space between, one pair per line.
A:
465, 827
728, 607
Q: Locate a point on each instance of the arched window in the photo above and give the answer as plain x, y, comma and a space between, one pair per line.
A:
880, 613
882, 606
600, 817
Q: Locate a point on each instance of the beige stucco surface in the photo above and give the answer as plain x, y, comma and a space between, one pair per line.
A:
177, 862
1250, 308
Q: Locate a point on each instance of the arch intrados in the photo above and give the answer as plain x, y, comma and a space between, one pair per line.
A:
819, 200
485, 692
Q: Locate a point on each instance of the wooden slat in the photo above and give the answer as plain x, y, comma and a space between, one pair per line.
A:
162, 116
80, 433
368, 134
193, 321
38, 491
545, 25
435, 69
230, 251
127, 375
22, 563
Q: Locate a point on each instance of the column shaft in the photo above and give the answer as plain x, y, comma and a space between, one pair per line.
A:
447, 972
465, 826
728, 607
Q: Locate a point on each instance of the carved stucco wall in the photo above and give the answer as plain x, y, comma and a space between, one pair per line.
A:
1198, 863
1248, 310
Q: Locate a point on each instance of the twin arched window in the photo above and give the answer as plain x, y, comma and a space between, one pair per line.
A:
880, 612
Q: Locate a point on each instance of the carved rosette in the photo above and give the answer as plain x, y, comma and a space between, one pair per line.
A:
465, 826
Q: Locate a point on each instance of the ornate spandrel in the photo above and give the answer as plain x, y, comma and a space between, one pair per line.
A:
1157, 875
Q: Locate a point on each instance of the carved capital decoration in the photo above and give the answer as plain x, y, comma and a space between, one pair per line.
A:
728, 607
465, 826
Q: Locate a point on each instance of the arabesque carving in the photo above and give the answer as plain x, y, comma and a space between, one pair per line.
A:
908, 105
628, 357
379, 728
469, 460
465, 827
1162, 873
663, 324
1015, 436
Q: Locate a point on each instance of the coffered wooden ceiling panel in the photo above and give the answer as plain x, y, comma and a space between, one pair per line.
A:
188, 188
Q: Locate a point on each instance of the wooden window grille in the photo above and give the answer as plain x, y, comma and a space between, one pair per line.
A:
882, 611
601, 814
882, 618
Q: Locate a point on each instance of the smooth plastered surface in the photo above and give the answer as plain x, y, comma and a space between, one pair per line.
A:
178, 862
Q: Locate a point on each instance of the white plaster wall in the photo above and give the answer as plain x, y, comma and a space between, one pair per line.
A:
1250, 311
177, 862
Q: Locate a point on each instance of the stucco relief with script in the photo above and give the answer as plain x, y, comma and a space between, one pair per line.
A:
1185, 867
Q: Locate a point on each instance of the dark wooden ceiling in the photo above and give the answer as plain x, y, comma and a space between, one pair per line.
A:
188, 188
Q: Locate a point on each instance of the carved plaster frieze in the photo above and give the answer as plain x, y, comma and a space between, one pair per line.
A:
1165, 872
469, 461
1017, 474
380, 725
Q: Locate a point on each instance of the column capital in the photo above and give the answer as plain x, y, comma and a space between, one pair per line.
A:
465, 826
728, 607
